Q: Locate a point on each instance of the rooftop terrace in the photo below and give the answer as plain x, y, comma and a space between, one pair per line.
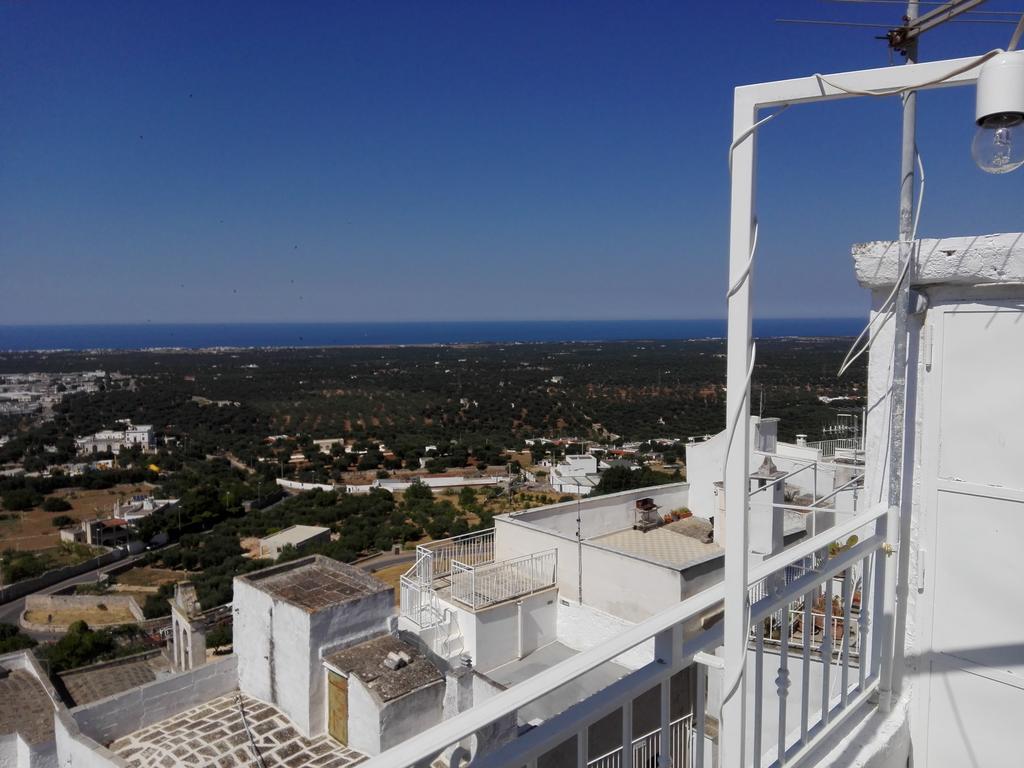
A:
219, 734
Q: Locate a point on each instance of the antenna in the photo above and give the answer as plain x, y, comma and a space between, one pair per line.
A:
903, 37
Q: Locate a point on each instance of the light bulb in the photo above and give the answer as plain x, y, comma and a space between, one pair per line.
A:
998, 145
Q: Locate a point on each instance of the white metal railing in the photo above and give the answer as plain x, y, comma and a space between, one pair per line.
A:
418, 602
469, 549
828, 448
483, 585
647, 748
807, 693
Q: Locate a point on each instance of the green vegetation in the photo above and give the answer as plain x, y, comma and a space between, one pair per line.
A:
82, 645
20, 500
17, 566
13, 639
56, 504
60, 521
618, 479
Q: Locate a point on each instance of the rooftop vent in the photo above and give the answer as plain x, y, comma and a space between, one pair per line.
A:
397, 660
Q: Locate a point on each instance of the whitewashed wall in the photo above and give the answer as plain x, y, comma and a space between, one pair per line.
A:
496, 635
626, 586
124, 713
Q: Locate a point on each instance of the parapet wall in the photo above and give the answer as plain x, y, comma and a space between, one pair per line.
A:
111, 718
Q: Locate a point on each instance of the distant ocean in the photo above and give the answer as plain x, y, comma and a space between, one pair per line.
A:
203, 335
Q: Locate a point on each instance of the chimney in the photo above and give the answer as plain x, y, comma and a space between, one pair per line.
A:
801, 441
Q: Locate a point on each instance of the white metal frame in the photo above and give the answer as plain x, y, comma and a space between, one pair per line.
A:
748, 102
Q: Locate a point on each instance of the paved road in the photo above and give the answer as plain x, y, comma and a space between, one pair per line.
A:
10, 612
386, 560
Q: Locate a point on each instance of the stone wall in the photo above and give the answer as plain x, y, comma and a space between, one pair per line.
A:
50, 604
108, 719
28, 586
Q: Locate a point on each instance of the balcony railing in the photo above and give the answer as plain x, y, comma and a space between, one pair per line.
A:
468, 549
807, 695
483, 585
646, 748
829, 448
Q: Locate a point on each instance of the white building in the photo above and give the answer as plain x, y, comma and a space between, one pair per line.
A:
27, 706
113, 440
576, 474
298, 536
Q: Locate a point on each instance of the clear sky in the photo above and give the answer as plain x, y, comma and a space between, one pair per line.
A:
282, 161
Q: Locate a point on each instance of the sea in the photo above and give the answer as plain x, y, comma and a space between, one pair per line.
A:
265, 335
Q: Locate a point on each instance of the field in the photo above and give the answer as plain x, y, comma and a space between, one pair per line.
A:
94, 617
392, 575
145, 579
33, 530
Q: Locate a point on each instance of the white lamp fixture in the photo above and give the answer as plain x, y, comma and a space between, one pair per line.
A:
998, 145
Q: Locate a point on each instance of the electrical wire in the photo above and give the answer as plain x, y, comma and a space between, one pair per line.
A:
729, 691
746, 270
751, 130
904, 89
1017, 32
883, 312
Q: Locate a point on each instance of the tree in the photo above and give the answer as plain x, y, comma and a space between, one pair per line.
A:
623, 479
62, 520
13, 639
20, 500
55, 504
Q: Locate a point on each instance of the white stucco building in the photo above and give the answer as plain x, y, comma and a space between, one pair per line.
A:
113, 440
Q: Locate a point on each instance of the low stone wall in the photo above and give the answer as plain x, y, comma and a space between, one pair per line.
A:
21, 588
57, 604
109, 719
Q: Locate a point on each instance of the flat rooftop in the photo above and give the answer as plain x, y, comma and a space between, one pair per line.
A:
296, 534
25, 707
562, 698
214, 734
98, 681
366, 661
665, 545
317, 582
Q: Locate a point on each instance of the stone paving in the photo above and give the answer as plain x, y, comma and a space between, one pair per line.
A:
214, 735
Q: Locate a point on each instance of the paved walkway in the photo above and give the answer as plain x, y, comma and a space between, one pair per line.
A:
215, 735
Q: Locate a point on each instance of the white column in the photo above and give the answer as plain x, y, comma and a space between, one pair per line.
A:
732, 731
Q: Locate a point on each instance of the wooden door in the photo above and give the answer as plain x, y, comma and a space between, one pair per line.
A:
337, 707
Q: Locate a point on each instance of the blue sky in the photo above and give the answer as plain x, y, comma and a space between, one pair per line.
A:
344, 161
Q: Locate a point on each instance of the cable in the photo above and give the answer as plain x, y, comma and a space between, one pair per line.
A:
1016, 35
903, 89
746, 270
252, 740
883, 312
751, 130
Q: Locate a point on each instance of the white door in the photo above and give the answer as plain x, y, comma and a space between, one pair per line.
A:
970, 680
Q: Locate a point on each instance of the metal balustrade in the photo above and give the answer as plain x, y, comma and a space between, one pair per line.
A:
646, 749
794, 699
484, 585
468, 549
828, 448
